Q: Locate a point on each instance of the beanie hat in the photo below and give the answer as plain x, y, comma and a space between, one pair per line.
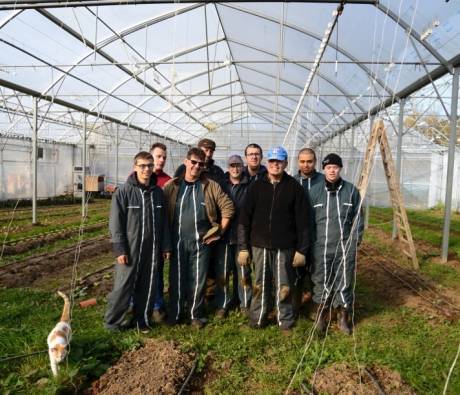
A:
332, 159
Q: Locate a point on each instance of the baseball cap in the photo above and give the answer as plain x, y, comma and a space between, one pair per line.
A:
235, 159
277, 153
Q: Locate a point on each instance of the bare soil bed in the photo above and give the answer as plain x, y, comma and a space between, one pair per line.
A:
398, 285
26, 273
28, 243
347, 380
159, 367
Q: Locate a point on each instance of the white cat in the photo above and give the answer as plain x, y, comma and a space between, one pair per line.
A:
59, 338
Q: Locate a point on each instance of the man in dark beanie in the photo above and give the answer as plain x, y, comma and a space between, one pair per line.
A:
338, 231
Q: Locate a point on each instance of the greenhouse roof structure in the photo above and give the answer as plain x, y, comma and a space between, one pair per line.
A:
183, 70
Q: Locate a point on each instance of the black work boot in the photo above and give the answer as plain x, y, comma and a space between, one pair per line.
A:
344, 321
323, 315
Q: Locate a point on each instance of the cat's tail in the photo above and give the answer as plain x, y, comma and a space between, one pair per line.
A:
66, 311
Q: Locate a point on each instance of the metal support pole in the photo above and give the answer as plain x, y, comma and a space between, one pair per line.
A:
117, 143
450, 166
34, 161
83, 171
398, 155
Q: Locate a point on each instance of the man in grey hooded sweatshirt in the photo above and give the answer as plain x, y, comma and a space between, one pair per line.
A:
140, 236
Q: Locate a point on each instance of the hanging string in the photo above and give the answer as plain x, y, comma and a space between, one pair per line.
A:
95, 32
336, 47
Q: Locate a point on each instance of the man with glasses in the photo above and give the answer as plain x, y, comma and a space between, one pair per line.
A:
199, 213
140, 236
227, 250
274, 231
254, 168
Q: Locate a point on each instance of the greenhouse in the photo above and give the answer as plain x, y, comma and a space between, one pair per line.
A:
87, 85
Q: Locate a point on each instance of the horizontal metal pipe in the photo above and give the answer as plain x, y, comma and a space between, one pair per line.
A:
17, 5
402, 94
76, 107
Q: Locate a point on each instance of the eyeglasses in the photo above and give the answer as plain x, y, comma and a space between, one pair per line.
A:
253, 154
143, 167
236, 165
196, 162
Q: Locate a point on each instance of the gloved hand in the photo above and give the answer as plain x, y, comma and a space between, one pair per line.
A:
299, 260
244, 258
212, 234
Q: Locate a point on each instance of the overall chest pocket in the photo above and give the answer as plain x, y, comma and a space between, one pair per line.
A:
320, 212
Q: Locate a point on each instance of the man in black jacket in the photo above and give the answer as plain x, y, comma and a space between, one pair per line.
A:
140, 235
273, 223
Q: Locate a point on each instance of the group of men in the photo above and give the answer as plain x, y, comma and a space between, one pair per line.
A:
268, 239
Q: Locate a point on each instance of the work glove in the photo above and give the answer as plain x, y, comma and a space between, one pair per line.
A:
299, 260
244, 258
212, 234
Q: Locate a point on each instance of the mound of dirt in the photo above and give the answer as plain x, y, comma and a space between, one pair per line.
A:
346, 380
159, 367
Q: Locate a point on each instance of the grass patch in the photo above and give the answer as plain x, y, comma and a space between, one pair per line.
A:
26, 318
426, 226
240, 359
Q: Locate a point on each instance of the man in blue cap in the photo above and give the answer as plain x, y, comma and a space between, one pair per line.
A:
273, 230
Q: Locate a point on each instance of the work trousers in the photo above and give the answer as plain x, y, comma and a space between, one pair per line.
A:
227, 267
187, 280
333, 277
134, 280
274, 279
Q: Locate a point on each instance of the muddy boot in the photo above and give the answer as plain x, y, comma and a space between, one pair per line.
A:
344, 322
321, 325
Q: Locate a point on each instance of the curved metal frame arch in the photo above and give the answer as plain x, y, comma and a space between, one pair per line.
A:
321, 75
333, 110
316, 37
414, 34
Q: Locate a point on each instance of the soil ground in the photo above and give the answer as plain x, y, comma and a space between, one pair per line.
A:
159, 367
346, 380
395, 283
